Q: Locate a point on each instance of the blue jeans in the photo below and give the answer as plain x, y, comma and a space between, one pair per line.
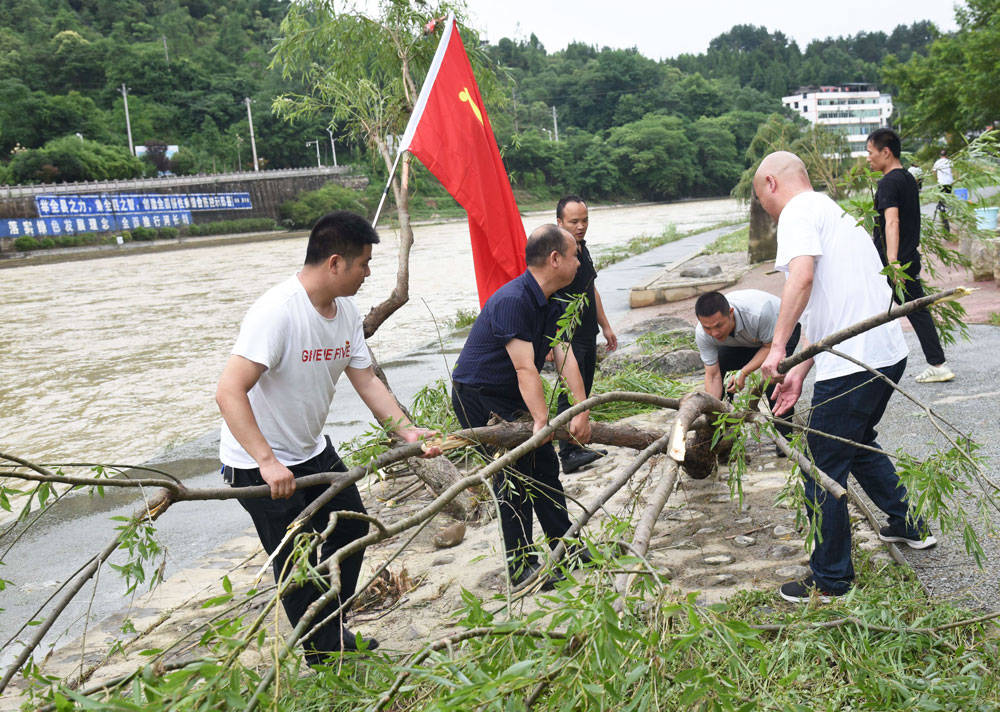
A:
850, 407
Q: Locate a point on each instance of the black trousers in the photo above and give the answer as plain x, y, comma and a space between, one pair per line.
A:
271, 517
533, 483
586, 358
921, 321
942, 209
733, 358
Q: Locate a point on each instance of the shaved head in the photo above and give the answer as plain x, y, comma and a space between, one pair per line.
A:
779, 178
782, 164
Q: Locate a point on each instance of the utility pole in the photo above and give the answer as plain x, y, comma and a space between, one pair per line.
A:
253, 142
316, 144
333, 149
514, 94
555, 125
239, 153
128, 124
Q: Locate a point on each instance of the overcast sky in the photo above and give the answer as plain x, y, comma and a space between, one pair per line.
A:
668, 28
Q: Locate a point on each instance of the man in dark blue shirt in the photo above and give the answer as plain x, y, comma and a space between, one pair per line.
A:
572, 215
498, 372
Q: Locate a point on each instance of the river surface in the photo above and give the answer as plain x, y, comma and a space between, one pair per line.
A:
116, 359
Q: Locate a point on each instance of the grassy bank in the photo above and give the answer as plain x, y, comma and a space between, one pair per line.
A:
884, 646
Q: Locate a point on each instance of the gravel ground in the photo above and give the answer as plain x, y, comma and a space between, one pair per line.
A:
969, 403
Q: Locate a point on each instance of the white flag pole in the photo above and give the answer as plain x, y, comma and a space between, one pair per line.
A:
418, 108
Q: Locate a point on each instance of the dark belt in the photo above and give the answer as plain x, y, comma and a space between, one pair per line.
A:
511, 392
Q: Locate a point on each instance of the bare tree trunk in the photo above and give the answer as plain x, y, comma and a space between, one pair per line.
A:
401, 292
439, 474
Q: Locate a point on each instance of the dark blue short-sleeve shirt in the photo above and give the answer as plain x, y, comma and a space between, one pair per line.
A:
518, 310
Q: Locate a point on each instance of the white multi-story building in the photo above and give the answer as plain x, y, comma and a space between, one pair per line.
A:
853, 110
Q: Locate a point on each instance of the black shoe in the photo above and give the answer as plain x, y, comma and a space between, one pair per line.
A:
910, 537
350, 641
580, 458
526, 577
347, 643
576, 556
802, 591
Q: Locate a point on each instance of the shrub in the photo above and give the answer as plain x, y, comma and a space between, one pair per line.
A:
25, 243
308, 207
464, 318
184, 162
143, 234
69, 159
230, 227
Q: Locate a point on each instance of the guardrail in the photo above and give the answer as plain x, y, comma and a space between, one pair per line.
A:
27, 191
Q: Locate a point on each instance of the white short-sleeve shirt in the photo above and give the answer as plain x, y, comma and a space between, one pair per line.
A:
847, 284
304, 354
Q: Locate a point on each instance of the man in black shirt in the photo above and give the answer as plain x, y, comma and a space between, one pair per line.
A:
498, 372
572, 216
897, 237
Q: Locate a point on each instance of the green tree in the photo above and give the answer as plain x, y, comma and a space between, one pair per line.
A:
654, 157
954, 89
534, 160
361, 74
718, 162
70, 159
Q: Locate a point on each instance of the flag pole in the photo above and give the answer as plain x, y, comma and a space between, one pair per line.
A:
385, 191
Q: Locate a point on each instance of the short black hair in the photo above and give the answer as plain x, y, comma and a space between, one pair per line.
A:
711, 303
543, 242
339, 233
880, 138
566, 200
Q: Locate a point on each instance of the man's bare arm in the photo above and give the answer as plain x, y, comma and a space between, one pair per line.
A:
384, 407
892, 234
794, 298
602, 321
752, 365
238, 377
529, 381
569, 370
713, 380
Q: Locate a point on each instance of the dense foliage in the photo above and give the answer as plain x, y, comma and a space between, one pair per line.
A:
631, 126
628, 126
953, 89
187, 64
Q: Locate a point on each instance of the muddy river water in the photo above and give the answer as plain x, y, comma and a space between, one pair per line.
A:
115, 360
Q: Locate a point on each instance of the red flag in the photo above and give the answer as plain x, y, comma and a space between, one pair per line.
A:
450, 133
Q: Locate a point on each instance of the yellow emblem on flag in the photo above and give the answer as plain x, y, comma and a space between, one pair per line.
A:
465, 96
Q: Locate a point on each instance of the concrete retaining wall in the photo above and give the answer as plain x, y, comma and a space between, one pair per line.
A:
268, 190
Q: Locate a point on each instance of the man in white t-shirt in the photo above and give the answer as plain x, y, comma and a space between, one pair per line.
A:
275, 394
833, 280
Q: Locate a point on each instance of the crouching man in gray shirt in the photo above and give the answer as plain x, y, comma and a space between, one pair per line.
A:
734, 335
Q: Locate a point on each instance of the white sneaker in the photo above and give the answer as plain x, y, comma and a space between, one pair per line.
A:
936, 374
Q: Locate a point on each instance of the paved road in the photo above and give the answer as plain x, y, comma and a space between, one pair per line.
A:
970, 403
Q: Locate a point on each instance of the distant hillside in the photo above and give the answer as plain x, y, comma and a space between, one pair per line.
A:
629, 126
187, 64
